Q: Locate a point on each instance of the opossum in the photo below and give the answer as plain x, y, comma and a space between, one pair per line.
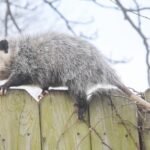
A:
57, 59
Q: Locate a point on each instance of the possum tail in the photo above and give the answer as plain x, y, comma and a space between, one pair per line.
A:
136, 99
105, 90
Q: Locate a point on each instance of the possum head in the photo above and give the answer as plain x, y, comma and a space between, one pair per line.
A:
4, 60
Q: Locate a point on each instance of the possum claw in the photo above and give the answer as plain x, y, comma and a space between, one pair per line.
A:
43, 93
3, 90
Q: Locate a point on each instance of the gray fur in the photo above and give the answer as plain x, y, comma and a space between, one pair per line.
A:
54, 59
58, 59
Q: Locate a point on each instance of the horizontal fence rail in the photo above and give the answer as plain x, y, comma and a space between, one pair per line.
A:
111, 123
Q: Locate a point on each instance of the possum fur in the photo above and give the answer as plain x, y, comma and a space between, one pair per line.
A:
56, 59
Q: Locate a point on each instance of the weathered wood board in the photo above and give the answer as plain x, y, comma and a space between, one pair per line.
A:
61, 130
19, 122
52, 124
113, 124
145, 118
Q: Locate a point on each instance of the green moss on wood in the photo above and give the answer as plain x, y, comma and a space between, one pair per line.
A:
145, 122
19, 122
61, 130
52, 124
113, 122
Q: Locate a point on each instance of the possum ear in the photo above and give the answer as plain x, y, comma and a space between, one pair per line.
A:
4, 45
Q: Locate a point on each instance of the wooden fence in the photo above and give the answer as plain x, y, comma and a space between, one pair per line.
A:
112, 123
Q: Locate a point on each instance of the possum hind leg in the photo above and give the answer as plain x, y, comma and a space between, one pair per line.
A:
77, 92
81, 104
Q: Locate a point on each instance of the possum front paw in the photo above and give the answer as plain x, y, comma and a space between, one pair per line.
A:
43, 93
3, 90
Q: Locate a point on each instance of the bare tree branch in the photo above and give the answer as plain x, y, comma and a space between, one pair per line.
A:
138, 14
139, 9
91, 37
26, 7
138, 28
9, 13
112, 61
6, 23
61, 16
101, 5
139, 31
135, 11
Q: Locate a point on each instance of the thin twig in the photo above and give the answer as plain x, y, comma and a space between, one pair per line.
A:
103, 6
138, 14
139, 31
139, 9
61, 16
24, 7
11, 16
6, 23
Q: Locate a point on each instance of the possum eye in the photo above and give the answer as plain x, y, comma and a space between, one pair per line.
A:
4, 45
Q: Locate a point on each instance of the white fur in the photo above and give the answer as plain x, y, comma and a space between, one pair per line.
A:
95, 88
4, 59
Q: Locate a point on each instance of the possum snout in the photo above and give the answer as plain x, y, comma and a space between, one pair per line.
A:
4, 65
